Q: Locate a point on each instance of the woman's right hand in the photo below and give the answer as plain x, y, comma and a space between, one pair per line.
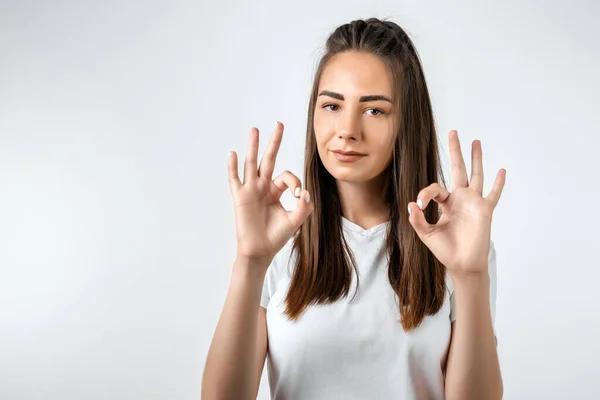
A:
263, 226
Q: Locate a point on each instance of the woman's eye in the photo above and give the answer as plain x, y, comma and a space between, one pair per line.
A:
375, 110
334, 107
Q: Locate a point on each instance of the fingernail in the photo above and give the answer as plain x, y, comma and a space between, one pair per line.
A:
409, 210
307, 197
420, 204
297, 192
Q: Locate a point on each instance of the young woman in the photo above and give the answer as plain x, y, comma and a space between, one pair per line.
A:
380, 284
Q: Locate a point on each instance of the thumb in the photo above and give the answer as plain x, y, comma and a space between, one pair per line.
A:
417, 220
303, 209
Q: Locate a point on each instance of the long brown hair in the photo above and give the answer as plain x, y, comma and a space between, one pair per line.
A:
324, 262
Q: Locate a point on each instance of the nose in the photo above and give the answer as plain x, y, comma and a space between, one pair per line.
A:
349, 128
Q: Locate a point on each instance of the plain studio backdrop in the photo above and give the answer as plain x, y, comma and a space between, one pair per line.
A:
117, 232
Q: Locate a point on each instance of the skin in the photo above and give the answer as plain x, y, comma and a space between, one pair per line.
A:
460, 239
343, 122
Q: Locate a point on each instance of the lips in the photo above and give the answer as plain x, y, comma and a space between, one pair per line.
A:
348, 153
347, 156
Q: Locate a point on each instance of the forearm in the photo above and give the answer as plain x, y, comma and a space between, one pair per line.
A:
473, 370
229, 372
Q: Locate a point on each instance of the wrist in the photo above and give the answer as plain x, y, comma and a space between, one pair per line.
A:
474, 282
253, 269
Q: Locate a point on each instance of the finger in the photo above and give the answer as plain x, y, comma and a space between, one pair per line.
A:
434, 192
494, 196
250, 171
234, 178
304, 207
287, 180
476, 167
418, 221
267, 164
459, 170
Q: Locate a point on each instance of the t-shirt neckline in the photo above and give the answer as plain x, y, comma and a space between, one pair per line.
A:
354, 228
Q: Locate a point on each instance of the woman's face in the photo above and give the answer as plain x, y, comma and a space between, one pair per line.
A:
354, 124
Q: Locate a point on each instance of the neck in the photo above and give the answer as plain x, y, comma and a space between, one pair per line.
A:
364, 203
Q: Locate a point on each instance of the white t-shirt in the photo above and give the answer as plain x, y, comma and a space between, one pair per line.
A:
356, 349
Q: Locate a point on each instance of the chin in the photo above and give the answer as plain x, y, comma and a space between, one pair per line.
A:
350, 173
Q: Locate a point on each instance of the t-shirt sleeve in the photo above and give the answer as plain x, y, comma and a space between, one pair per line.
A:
492, 270
266, 295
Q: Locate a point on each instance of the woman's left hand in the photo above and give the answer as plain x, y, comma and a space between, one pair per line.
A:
461, 238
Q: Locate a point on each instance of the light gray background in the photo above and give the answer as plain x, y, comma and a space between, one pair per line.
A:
116, 226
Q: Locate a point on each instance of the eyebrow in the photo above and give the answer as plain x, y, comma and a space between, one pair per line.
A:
372, 97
